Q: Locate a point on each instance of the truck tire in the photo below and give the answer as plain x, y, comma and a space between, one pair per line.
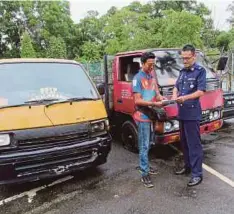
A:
129, 136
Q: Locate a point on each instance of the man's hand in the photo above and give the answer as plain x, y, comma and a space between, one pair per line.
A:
161, 98
157, 104
174, 97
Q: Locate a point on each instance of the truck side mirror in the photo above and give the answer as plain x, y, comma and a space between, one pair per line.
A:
222, 63
101, 88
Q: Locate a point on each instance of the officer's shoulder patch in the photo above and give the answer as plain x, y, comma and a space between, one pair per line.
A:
200, 67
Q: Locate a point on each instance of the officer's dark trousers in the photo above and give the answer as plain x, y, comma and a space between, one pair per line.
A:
191, 145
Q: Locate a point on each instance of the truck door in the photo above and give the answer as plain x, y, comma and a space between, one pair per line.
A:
126, 67
109, 67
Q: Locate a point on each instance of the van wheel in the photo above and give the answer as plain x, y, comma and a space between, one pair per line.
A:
129, 136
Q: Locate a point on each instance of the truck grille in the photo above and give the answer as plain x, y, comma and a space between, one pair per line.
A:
211, 84
205, 117
52, 141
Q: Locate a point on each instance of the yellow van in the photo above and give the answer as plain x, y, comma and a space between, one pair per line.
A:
52, 120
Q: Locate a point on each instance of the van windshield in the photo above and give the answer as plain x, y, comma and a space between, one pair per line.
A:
169, 63
31, 81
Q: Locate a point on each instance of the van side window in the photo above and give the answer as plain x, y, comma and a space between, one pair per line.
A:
129, 66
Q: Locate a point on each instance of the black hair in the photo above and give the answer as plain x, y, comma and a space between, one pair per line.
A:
189, 47
147, 55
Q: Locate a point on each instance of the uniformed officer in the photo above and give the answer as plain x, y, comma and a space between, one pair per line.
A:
189, 87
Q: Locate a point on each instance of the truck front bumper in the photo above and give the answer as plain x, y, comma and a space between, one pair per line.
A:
175, 137
23, 166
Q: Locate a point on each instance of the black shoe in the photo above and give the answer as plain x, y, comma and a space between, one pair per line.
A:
147, 181
194, 181
183, 171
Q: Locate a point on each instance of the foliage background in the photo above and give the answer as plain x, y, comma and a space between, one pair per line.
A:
46, 29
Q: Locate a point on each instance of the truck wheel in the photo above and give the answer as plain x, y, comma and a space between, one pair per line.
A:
129, 136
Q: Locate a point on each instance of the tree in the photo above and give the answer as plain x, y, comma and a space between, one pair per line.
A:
231, 9
225, 40
176, 34
10, 30
91, 51
41, 19
123, 32
57, 48
90, 30
156, 9
27, 50
136, 26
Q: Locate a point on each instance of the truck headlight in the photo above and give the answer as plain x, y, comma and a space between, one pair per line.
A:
99, 126
172, 125
176, 124
167, 126
214, 115
211, 116
4, 140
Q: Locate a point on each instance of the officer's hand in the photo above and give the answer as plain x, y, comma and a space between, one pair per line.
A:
180, 99
174, 98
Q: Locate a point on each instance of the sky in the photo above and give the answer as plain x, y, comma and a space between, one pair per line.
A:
79, 9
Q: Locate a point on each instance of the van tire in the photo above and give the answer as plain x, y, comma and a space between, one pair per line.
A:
129, 136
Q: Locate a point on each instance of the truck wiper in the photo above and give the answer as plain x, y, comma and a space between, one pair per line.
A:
81, 98
74, 99
40, 101
28, 103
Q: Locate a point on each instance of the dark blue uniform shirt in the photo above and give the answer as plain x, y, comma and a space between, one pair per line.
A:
189, 81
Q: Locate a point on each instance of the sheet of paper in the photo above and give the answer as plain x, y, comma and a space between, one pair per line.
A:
168, 102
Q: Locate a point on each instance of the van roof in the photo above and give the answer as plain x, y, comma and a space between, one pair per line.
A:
148, 50
21, 60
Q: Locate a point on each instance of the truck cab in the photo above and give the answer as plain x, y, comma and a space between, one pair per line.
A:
120, 103
52, 120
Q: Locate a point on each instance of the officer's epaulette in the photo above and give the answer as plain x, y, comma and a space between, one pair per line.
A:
198, 67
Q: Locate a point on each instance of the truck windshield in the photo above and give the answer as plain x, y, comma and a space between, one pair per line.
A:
169, 63
34, 81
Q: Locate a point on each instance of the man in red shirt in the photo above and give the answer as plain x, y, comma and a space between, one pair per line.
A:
146, 93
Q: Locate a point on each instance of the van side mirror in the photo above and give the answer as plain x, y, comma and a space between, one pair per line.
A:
101, 88
222, 63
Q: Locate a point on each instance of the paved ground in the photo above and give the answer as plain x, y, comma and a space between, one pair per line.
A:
115, 187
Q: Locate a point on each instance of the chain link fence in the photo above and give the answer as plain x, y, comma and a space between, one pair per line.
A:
95, 71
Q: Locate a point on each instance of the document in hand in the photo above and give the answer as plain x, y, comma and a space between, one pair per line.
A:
168, 102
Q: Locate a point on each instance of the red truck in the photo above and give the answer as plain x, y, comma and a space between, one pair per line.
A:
117, 89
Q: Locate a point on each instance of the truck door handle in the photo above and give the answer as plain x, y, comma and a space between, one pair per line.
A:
119, 101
